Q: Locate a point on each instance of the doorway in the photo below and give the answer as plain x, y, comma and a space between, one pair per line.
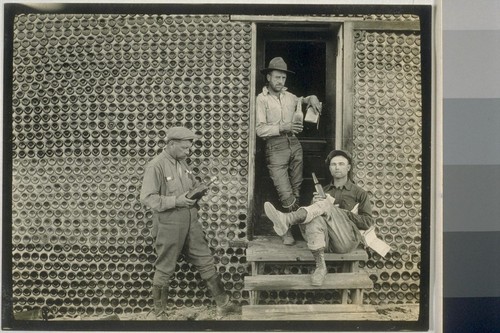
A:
310, 51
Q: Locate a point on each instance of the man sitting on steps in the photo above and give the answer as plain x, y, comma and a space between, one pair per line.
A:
329, 224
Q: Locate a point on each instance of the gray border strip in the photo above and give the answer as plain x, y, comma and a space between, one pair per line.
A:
471, 264
471, 197
471, 69
471, 131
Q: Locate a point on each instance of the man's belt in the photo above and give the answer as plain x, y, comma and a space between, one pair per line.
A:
279, 136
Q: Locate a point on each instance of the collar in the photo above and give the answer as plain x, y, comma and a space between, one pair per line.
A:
265, 91
347, 185
169, 157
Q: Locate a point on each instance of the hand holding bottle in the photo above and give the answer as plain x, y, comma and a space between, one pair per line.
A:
200, 190
182, 201
285, 127
318, 187
291, 128
297, 128
298, 121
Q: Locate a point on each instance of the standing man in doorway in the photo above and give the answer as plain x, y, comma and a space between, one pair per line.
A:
276, 108
167, 181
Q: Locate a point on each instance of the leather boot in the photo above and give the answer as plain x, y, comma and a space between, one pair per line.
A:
160, 297
318, 277
223, 301
164, 300
290, 207
294, 207
316, 209
288, 238
283, 221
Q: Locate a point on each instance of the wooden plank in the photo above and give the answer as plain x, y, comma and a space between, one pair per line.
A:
339, 96
329, 105
387, 25
360, 22
252, 139
309, 312
303, 282
271, 249
295, 19
348, 99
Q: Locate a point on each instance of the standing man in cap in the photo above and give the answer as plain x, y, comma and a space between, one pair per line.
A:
167, 180
275, 124
330, 224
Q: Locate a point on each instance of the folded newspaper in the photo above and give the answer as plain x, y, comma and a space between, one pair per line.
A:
371, 240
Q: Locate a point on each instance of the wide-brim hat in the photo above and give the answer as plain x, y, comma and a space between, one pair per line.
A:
276, 64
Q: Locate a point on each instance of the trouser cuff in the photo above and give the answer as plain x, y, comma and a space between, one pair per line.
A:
208, 272
289, 203
161, 279
316, 246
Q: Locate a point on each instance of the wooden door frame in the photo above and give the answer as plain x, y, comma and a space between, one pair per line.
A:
331, 90
344, 80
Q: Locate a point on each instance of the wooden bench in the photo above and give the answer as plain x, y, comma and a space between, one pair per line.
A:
309, 312
268, 250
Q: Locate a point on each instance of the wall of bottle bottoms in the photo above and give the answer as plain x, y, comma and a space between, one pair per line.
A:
93, 96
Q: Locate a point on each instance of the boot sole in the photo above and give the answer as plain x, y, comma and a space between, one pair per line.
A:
318, 284
273, 215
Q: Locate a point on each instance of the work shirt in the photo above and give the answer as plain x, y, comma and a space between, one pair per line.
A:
174, 229
164, 179
273, 110
347, 196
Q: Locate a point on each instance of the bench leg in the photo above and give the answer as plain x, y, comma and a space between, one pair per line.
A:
357, 296
253, 293
348, 267
257, 268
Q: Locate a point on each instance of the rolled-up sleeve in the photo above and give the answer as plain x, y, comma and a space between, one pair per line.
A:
151, 191
263, 128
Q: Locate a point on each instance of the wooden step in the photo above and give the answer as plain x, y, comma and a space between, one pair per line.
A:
271, 249
309, 312
359, 280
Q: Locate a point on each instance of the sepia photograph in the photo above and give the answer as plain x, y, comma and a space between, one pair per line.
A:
217, 167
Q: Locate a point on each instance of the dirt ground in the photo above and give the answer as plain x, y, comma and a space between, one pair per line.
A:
389, 312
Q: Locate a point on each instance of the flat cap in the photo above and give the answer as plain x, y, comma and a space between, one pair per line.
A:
180, 133
338, 152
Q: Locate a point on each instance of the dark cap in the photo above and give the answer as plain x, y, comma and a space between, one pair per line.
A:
180, 133
276, 64
339, 152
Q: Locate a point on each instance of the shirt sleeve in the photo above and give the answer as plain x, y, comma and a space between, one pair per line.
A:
150, 191
264, 129
363, 219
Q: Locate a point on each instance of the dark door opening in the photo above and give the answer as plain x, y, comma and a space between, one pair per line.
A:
309, 51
